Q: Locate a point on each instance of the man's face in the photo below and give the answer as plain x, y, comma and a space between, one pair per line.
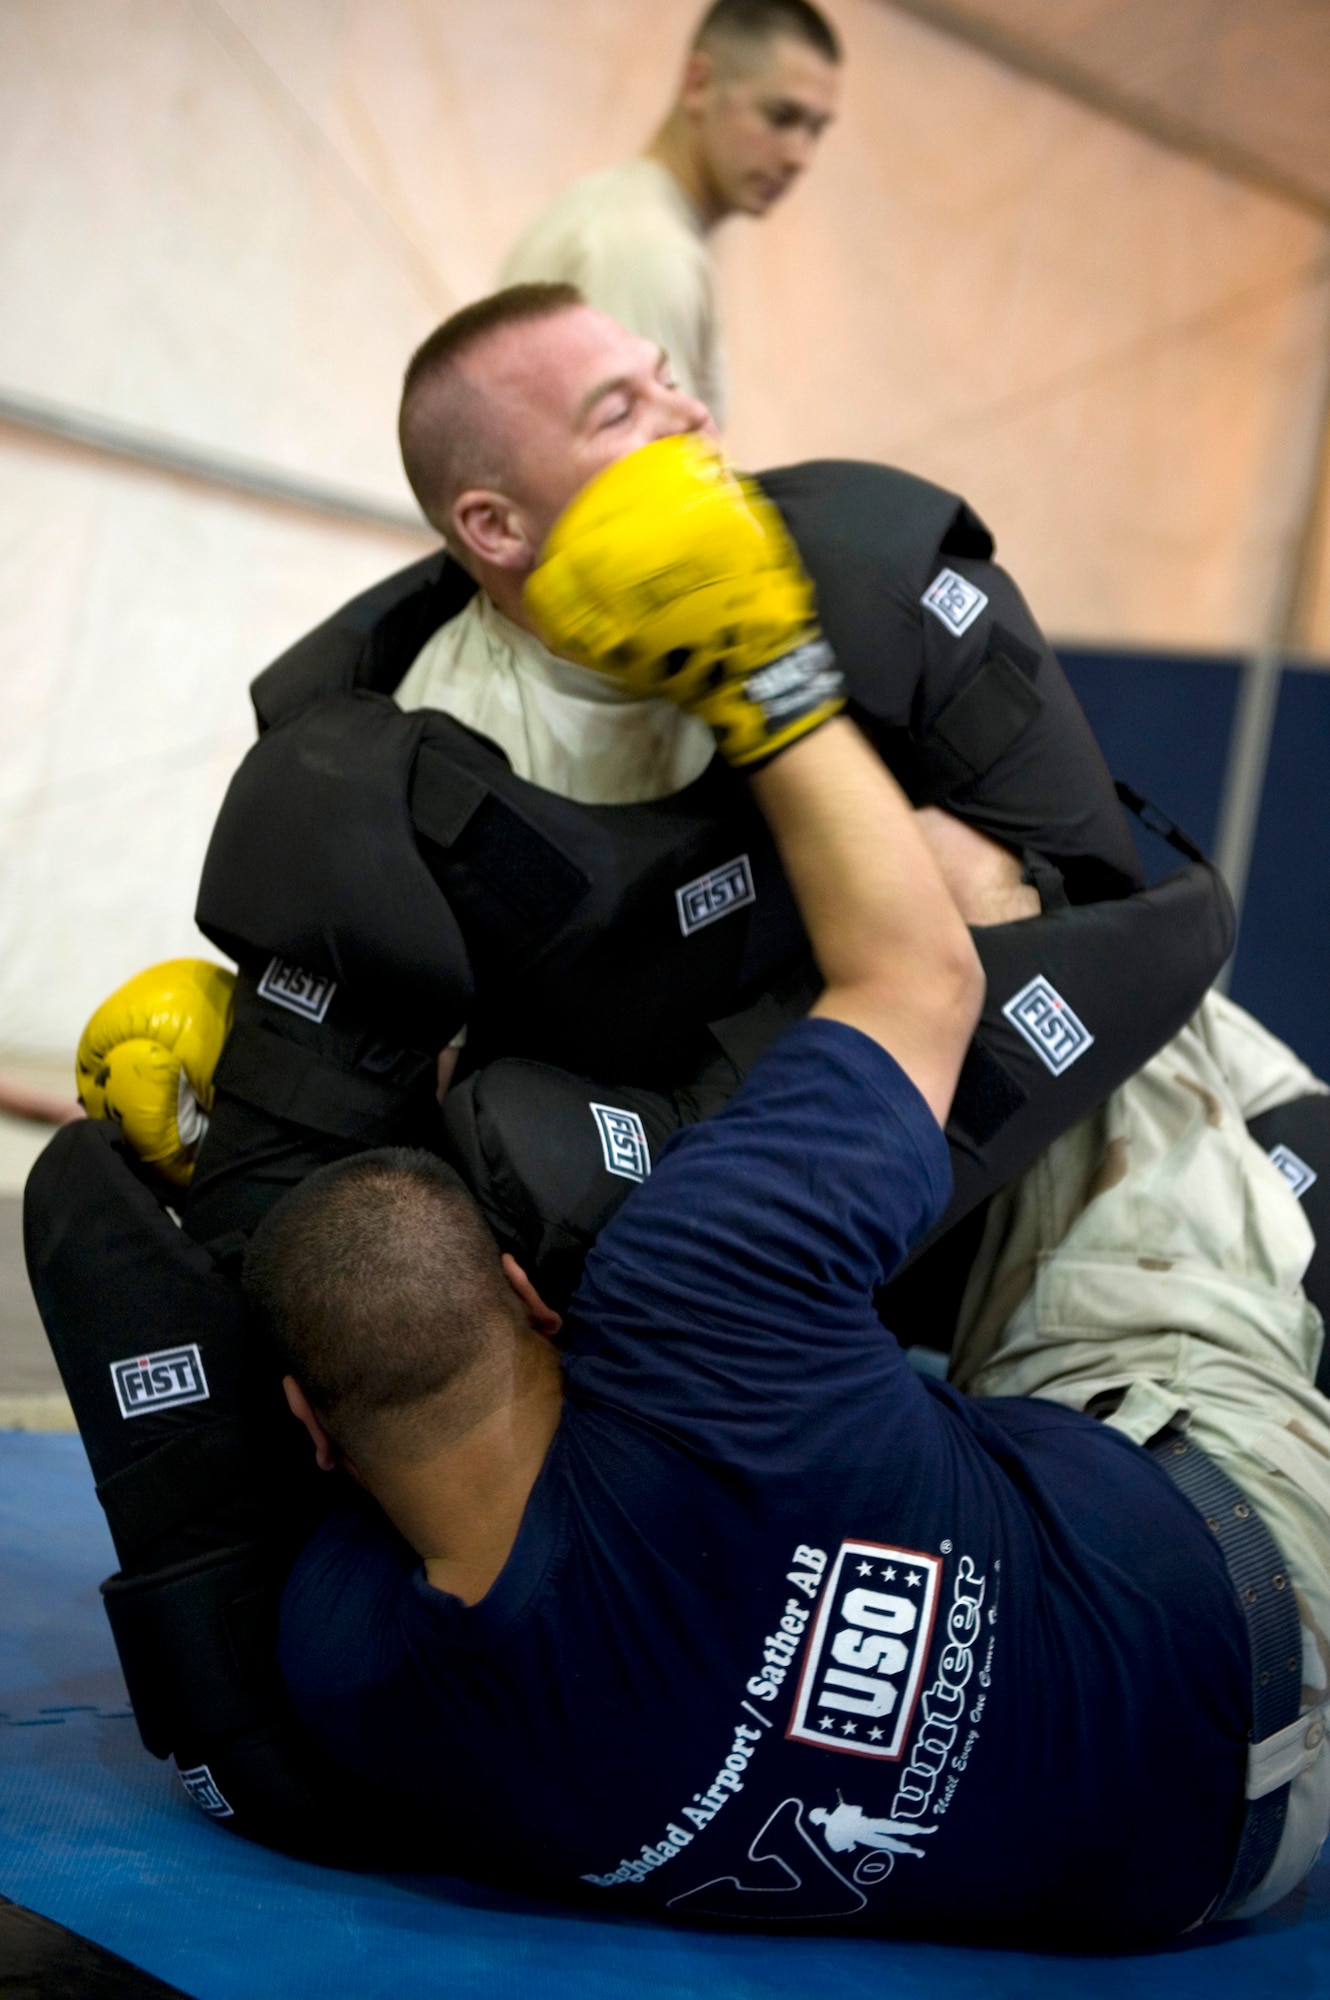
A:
573, 393
757, 132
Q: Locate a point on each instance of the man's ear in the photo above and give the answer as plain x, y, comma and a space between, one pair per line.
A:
325, 1452
539, 1317
490, 527
699, 75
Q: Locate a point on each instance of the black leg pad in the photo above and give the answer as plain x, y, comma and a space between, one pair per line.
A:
1297, 1136
197, 1644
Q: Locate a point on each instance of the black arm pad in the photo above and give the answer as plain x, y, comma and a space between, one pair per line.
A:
550, 1157
1077, 1001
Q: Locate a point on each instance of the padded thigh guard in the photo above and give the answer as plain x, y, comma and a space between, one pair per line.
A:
1068, 1016
176, 1396
209, 1490
1297, 1138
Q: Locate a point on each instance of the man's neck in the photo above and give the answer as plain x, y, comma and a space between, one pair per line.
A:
460, 1507
675, 148
503, 587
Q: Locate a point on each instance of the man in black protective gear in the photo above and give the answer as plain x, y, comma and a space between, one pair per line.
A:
386, 875
505, 853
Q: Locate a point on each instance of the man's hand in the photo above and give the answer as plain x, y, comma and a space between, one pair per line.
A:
985, 879
893, 948
674, 578
445, 1064
146, 1059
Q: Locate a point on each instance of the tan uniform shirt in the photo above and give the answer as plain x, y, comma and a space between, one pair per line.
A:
631, 240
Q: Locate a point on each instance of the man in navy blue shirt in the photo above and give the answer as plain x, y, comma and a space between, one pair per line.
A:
718, 1608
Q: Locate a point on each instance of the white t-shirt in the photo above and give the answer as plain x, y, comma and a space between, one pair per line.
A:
633, 243
559, 725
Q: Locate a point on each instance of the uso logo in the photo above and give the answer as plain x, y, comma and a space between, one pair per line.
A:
866, 1657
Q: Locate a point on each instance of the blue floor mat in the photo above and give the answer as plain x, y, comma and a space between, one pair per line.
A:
98, 1835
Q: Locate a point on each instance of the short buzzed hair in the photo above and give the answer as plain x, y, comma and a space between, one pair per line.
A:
447, 444
730, 22
382, 1287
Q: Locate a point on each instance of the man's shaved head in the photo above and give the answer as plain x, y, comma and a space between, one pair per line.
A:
382, 1286
451, 435
512, 406
736, 33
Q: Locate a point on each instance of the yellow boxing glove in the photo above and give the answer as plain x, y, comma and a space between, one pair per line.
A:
147, 1056
674, 577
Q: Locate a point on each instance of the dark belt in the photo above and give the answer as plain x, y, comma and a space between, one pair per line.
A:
1274, 1637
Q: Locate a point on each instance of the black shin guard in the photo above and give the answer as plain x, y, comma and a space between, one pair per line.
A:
208, 1490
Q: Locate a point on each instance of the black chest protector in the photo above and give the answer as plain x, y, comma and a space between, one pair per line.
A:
418, 883
383, 878
434, 887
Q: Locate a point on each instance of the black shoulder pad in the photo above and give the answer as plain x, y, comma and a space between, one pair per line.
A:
369, 643
314, 860
550, 1157
947, 670
967, 536
862, 527
871, 538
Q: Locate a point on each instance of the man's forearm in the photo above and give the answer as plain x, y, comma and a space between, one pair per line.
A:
898, 961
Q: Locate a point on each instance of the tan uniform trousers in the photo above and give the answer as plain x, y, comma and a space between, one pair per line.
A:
1155, 1249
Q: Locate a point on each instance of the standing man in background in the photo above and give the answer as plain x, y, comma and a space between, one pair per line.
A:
759, 88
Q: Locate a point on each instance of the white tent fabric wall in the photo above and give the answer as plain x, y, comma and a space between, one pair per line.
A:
231, 220
1112, 350
1245, 79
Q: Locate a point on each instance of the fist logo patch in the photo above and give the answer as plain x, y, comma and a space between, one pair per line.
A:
202, 1788
159, 1381
1294, 1169
300, 992
623, 1142
954, 601
710, 897
1041, 1017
